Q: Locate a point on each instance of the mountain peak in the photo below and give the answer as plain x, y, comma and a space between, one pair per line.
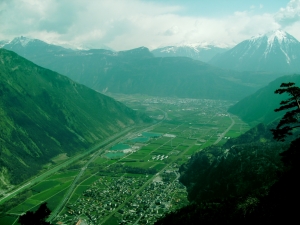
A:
274, 51
279, 35
21, 40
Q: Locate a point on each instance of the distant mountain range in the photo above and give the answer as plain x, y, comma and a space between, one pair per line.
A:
275, 51
138, 71
44, 114
259, 107
198, 52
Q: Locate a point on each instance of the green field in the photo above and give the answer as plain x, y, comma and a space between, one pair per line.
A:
194, 129
90, 180
45, 185
8, 219
63, 175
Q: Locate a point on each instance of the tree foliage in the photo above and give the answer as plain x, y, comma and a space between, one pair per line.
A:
36, 218
291, 119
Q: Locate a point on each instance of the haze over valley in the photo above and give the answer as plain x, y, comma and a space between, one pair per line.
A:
149, 112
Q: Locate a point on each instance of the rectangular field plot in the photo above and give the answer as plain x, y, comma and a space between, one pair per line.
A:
233, 133
182, 147
146, 148
45, 185
165, 130
25, 206
77, 193
208, 143
144, 165
47, 194
193, 149
159, 166
64, 179
127, 159
56, 199
189, 141
8, 220
90, 180
65, 174
161, 140
139, 155
154, 145
100, 160
165, 148
135, 175
178, 140
160, 152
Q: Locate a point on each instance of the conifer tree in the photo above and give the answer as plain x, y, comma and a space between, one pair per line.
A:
291, 119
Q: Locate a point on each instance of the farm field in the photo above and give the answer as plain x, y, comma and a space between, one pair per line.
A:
145, 164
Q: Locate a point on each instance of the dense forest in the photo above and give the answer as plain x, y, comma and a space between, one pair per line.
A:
251, 179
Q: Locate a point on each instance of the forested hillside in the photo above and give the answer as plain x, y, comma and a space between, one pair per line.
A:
250, 179
243, 164
44, 114
259, 107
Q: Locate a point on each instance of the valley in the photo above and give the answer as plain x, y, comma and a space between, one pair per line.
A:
134, 177
149, 112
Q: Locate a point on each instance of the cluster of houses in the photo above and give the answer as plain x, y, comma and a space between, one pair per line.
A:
152, 203
112, 195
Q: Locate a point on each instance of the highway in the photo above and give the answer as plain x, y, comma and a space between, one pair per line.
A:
39, 178
223, 134
68, 194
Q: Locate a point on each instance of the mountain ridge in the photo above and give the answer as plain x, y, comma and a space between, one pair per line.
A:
44, 114
259, 106
198, 52
274, 51
138, 71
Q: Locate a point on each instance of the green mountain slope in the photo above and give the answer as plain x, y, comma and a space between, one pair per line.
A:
44, 113
240, 166
259, 107
242, 182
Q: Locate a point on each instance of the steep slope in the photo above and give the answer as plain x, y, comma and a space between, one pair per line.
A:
274, 51
259, 107
138, 71
44, 113
198, 52
240, 166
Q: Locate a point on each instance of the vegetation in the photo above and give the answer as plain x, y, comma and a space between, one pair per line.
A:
253, 206
138, 71
291, 119
249, 162
259, 107
44, 114
36, 218
119, 168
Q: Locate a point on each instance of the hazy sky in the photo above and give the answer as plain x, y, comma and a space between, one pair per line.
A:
126, 24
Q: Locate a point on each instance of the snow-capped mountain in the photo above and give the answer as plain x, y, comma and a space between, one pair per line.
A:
275, 51
25, 44
2, 43
28, 47
200, 52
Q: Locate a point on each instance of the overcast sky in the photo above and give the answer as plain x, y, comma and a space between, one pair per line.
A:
127, 24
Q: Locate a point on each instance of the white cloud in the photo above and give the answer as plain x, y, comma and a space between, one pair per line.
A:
289, 15
127, 24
